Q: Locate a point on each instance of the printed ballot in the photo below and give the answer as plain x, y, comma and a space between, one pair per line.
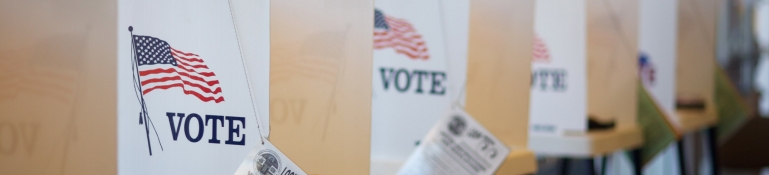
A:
266, 159
457, 144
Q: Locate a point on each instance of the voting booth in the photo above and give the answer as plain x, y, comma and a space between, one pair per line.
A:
657, 72
377, 87
584, 68
119, 87
696, 106
203, 78
501, 37
696, 65
657, 41
416, 77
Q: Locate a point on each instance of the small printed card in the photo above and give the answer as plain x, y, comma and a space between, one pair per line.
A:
265, 159
458, 145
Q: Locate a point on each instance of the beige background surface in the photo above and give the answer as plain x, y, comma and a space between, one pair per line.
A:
58, 87
612, 59
320, 84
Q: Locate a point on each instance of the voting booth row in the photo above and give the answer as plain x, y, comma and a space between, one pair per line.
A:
350, 87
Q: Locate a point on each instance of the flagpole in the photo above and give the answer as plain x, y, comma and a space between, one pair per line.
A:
137, 83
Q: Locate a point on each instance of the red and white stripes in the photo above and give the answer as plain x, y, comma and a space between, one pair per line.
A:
540, 52
191, 74
402, 37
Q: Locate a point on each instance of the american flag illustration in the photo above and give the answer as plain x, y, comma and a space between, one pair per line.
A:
540, 53
162, 67
646, 69
398, 34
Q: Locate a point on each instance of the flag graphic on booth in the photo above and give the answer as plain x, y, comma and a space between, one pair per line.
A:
399, 34
646, 69
163, 67
540, 52
158, 66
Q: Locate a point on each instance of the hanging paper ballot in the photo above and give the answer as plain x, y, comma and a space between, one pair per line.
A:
410, 77
458, 145
185, 105
558, 84
266, 159
657, 46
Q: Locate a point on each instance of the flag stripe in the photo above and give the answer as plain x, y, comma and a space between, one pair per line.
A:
196, 80
199, 80
191, 59
194, 66
184, 53
419, 47
198, 86
171, 70
189, 92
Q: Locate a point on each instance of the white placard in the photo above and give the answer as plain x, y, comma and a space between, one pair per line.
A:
191, 111
458, 145
266, 159
559, 84
657, 35
410, 76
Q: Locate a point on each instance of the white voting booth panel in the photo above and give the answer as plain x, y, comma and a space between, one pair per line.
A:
584, 65
559, 88
185, 104
420, 58
320, 84
657, 43
657, 65
97, 87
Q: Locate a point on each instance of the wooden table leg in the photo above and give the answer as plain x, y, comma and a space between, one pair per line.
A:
713, 149
637, 164
603, 164
591, 166
565, 166
681, 155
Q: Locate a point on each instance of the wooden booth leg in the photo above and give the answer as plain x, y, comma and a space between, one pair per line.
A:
591, 166
637, 165
712, 148
565, 166
681, 155
603, 164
